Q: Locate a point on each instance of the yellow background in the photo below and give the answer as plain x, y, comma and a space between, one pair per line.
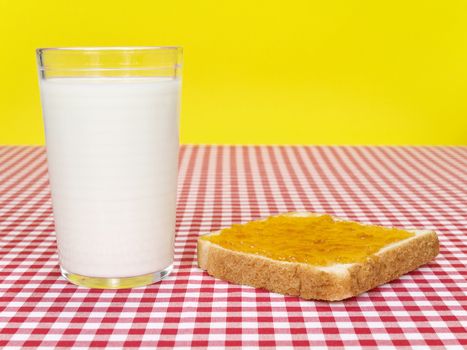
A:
293, 72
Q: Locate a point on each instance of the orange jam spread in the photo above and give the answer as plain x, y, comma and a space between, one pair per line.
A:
313, 240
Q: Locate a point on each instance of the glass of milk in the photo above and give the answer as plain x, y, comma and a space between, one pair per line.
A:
111, 117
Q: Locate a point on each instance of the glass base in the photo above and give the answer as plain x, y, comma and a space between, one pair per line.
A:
116, 282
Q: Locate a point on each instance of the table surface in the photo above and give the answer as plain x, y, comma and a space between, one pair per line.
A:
421, 187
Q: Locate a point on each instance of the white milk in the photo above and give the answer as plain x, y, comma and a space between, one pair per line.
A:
112, 146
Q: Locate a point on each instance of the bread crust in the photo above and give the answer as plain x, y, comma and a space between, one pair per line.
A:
316, 282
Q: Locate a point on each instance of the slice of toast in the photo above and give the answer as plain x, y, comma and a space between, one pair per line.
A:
333, 282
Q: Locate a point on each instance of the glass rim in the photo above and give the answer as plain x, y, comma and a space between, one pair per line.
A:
109, 48
86, 52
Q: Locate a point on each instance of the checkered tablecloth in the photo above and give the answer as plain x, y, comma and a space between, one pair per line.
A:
421, 187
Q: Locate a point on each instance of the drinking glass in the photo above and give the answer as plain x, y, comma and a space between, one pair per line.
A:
111, 117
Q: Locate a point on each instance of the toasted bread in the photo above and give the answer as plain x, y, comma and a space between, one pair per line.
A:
334, 282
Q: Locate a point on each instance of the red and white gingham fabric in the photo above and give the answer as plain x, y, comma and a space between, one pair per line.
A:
402, 186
